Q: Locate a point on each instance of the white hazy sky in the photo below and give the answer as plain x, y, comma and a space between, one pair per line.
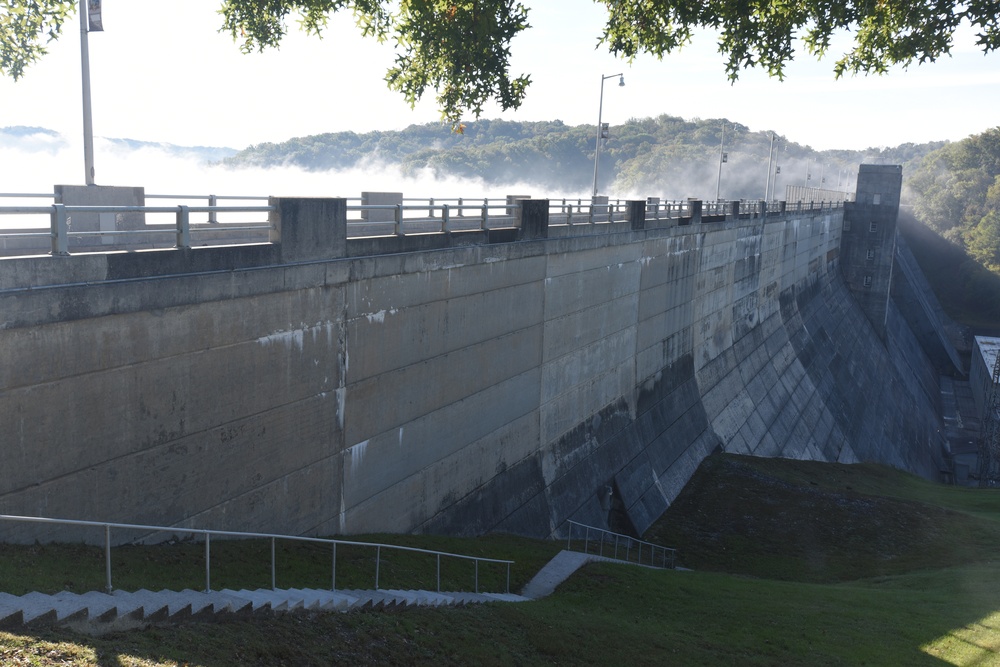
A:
162, 72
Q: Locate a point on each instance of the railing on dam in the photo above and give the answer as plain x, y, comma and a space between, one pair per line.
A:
107, 527
608, 544
217, 220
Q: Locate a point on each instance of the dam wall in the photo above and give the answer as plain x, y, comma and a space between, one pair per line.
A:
441, 383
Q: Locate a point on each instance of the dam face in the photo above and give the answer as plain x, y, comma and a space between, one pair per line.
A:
317, 387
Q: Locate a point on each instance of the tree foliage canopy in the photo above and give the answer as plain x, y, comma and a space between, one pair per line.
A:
957, 190
761, 33
665, 156
461, 48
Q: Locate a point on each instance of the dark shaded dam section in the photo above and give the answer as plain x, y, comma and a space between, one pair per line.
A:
463, 385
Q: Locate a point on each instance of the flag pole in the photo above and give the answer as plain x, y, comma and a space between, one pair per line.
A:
88, 129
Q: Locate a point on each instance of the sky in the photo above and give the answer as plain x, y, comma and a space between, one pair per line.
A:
162, 72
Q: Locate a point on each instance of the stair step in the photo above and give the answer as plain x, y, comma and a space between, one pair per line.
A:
38, 609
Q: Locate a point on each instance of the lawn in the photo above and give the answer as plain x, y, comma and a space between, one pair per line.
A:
788, 571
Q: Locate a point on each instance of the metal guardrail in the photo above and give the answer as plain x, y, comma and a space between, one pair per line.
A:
658, 556
60, 214
107, 526
586, 211
364, 220
438, 218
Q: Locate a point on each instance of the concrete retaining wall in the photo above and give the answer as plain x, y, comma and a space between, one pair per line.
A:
497, 386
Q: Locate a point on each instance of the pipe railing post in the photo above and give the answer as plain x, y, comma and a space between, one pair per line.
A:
60, 230
107, 556
477, 575
378, 563
333, 582
183, 227
507, 590
399, 219
461, 211
213, 218
483, 223
274, 578
439, 573
208, 562
430, 207
445, 219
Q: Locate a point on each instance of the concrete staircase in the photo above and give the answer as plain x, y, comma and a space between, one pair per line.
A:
121, 609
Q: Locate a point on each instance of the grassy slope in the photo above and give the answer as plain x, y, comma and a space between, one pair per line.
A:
797, 564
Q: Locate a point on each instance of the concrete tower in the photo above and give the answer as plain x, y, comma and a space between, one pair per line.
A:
868, 241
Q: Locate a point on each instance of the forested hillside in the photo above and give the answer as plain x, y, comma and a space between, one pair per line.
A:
953, 188
664, 156
955, 191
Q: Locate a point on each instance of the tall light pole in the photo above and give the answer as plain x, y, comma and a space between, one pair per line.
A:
88, 129
600, 128
722, 158
770, 155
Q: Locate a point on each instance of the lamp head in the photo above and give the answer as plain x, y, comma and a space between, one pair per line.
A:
621, 80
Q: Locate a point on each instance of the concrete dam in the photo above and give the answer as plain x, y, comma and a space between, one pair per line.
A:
500, 380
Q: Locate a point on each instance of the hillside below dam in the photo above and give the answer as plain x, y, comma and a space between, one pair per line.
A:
504, 380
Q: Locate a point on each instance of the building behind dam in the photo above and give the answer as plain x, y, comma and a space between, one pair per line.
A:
463, 383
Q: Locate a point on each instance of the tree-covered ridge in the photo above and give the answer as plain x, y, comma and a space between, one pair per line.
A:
666, 156
957, 192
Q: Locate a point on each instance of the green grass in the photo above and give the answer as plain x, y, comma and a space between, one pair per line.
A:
797, 564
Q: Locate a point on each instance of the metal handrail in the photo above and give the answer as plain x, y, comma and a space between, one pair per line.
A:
585, 211
666, 559
59, 228
398, 221
208, 533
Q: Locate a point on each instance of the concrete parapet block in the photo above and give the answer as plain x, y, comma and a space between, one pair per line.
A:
380, 199
533, 219
600, 210
102, 195
695, 205
513, 201
309, 228
637, 214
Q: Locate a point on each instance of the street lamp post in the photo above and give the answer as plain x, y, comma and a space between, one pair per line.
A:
88, 131
722, 158
600, 110
770, 157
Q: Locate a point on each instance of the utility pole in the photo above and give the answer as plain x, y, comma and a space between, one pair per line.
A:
722, 158
770, 155
601, 131
88, 129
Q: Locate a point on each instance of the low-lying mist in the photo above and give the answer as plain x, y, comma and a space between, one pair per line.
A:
34, 163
